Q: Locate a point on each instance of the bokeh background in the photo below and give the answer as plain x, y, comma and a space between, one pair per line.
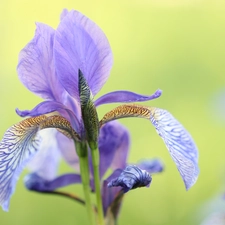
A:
175, 45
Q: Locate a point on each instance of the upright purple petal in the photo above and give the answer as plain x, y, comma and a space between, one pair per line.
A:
125, 96
81, 44
36, 67
64, 13
113, 146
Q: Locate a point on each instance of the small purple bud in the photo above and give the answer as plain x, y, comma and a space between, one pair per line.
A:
131, 177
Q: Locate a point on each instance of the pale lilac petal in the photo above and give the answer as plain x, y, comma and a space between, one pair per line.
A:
81, 44
130, 178
36, 67
151, 165
125, 96
49, 107
113, 146
46, 161
37, 183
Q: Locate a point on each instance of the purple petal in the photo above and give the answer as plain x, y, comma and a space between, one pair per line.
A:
132, 177
49, 107
151, 165
36, 183
46, 161
36, 67
179, 143
125, 96
113, 146
81, 44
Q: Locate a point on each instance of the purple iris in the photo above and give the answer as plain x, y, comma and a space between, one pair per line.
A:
54, 65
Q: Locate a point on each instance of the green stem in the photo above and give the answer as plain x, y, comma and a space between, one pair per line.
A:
95, 160
82, 152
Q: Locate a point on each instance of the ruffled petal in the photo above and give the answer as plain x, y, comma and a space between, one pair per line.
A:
35, 182
179, 142
81, 44
125, 96
49, 107
113, 146
36, 67
151, 165
131, 177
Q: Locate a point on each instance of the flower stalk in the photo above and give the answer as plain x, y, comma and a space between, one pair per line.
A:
82, 151
97, 182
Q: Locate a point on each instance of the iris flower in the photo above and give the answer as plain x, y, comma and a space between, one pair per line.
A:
67, 67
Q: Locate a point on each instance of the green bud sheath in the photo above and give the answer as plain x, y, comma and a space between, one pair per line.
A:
89, 113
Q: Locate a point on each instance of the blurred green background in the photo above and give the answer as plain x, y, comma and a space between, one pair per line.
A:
175, 45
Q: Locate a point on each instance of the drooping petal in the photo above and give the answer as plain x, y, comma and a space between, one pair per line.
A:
49, 107
113, 146
81, 44
16, 148
151, 165
180, 144
125, 96
178, 141
19, 144
36, 67
35, 182
132, 177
